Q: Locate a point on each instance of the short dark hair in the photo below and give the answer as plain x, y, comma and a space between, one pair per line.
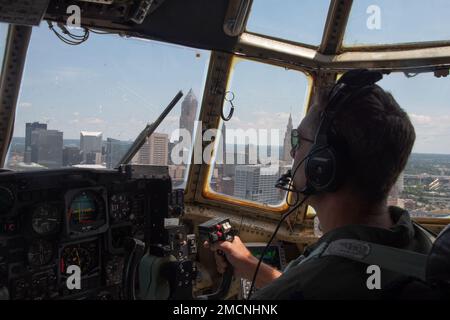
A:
378, 137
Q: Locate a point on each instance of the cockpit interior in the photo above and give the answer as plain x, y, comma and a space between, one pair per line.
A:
131, 131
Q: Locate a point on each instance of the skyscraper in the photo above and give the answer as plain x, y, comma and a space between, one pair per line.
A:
221, 150
47, 147
188, 112
155, 151
257, 183
90, 146
115, 150
71, 156
29, 127
287, 141
268, 178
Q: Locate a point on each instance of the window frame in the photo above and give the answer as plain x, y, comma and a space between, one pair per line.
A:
205, 194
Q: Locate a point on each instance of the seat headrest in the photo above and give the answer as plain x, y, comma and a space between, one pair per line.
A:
438, 264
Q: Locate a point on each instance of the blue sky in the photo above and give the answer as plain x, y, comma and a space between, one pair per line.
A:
117, 85
109, 84
401, 21
3, 30
301, 21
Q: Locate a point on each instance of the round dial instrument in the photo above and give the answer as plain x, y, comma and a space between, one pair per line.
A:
6, 200
85, 255
86, 211
40, 253
45, 219
77, 255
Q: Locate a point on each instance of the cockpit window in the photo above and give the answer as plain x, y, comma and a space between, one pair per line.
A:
401, 21
424, 186
84, 105
298, 21
269, 102
3, 34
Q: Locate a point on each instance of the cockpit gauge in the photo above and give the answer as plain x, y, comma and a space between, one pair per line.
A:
6, 200
40, 253
77, 256
86, 211
120, 207
84, 255
45, 219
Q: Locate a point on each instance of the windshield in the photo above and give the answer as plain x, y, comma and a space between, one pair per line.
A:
84, 105
299, 21
400, 21
424, 186
255, 143
3, 34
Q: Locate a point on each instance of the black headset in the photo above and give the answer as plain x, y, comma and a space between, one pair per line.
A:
325, 162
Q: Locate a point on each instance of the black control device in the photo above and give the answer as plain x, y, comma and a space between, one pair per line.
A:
215, 230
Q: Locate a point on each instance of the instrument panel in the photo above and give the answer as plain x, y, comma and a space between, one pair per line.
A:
51, 220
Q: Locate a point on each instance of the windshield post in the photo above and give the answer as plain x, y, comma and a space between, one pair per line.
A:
16, 49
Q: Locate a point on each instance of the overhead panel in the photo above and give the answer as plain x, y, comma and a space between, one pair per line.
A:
23, 12
198, 23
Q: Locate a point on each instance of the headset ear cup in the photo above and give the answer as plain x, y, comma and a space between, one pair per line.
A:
321, 169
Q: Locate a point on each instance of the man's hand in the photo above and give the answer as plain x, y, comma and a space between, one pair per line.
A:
242, 260
237, 254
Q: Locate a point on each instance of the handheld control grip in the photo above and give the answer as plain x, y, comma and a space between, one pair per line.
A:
213, 231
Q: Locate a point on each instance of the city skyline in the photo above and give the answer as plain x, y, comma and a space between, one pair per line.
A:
423, 188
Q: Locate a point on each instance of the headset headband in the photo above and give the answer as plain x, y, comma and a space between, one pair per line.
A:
350, 85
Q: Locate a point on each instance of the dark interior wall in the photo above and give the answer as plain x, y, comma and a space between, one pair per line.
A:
194, 23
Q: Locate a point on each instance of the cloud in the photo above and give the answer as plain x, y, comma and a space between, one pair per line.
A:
46, 119
72, 72
261, 120
88, 122
431, 125
95, 121
25, 105
432, 133
418, 119
61, 75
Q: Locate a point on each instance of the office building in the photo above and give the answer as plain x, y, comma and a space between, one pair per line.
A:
47, 148
115, 150
257, 183
155, 150
29, 127
287, 141
71, 156
189, 112
91, 147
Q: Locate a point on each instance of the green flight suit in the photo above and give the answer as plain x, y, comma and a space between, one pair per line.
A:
333, 277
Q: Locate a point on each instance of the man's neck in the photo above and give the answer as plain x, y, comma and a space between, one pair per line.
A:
335, 211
